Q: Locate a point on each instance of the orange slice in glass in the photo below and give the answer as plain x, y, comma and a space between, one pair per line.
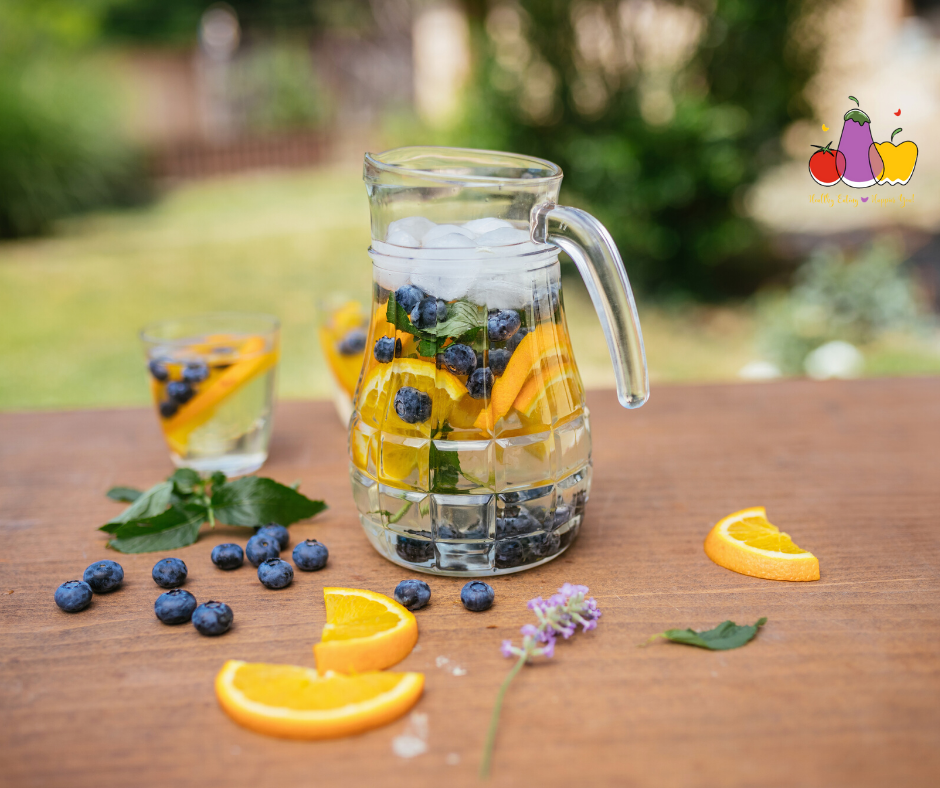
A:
745, 542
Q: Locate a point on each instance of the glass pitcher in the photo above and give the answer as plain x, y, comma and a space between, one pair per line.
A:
469, 442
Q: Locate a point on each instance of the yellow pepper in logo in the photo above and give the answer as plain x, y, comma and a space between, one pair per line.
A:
898, 161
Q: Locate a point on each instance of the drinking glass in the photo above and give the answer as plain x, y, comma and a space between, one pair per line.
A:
212, 378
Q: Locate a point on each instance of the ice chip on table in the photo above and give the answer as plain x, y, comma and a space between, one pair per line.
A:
415, 226
451, 280
481, 226
432, 238
503, 236
401, 238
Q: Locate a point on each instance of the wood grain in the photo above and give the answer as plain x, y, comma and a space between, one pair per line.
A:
841, 688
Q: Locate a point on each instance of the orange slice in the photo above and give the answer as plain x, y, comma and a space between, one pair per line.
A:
376, 394
345, 368
542, 343
745, 542
363, 631
548, 392
200, 408
293, 702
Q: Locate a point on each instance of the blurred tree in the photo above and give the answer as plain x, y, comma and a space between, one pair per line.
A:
661, 114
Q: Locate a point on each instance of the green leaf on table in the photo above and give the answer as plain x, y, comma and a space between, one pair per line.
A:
725, 636
150, 503
124, 494
252, 500
217, 479
185, 479
176, 527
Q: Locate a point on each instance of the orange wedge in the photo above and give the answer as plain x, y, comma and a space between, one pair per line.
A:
293, 702
542, 343
745, 542
200, 408
363, 631
345, 368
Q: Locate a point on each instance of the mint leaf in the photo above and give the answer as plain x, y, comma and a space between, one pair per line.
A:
252, 501
124, 494
148, 504
176, 527
463, 320
727, 635
217, 479
396, 315
184, 479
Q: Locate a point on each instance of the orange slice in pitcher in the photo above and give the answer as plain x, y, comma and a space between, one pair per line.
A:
543, 343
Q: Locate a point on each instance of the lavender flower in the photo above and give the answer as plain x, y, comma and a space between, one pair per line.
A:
560, 614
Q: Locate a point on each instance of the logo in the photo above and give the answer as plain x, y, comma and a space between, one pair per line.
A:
858, 161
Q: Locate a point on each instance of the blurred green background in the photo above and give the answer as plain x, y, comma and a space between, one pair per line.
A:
165, 158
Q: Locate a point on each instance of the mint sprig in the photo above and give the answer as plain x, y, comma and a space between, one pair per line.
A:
170, 514
727, 635
464, 321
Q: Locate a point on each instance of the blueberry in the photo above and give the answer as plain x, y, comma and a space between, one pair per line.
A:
408, 296
515, 339
195, 372
278, 531
175, 607
562, 515
413, 594
353, 343
428, 312
158, 370
168, 408
73, 596
212, 618
498, 359
180, 391
544, 545
412, 406
477, 596
275, 573
417, 551
480, 383
516, 524
228, 556
386, 348
169, 572
261, 547
509, 554
503, 325
104, 576
460, 359
310, 555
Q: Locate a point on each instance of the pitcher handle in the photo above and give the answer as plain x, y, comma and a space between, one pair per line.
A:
589, 244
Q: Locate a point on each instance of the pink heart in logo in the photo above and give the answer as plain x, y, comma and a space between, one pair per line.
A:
864, 199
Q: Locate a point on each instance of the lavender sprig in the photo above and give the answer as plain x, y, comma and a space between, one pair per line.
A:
560, 614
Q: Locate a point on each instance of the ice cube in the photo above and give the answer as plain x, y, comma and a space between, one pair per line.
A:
451, 241
401, 238
390, 280
503, 292
480, 226
415, 226
431, 238
504, 236
446, 281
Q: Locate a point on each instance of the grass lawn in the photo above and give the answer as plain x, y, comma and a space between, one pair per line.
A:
283, 243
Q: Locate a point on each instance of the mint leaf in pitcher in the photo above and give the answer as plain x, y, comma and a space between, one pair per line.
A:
727, 635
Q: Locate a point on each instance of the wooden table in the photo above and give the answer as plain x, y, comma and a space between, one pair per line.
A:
841, 688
